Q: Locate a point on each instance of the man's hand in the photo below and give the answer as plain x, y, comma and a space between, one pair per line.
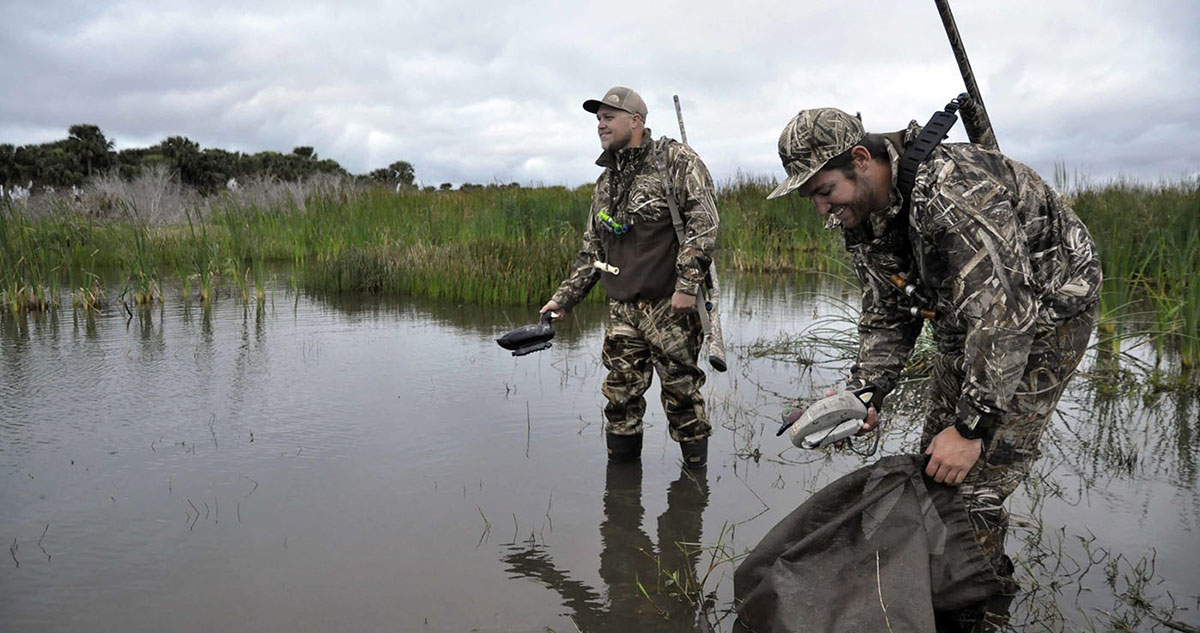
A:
951, 456
682, 302
869, 423
552, 306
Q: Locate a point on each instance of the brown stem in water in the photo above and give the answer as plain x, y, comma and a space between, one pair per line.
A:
879, 588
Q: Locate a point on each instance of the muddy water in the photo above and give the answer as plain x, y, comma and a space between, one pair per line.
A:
360, 465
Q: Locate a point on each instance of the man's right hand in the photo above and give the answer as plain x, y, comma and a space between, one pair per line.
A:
872, 416
869, 423
552, 306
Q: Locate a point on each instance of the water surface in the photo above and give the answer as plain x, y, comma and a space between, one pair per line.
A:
355, 464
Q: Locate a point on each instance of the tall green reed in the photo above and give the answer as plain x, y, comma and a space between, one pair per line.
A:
1148, 238
37, 256
514, 245
781, 235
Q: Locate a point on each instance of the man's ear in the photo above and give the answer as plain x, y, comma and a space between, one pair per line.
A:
860, 155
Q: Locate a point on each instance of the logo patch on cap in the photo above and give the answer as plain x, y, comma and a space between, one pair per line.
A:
613, 98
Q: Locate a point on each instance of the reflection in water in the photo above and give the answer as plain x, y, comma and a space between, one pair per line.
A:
153, 343
630, 564
88, 317
488, 321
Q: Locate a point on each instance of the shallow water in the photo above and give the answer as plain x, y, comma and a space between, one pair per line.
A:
364, 465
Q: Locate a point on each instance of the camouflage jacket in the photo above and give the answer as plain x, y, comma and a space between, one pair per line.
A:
632, 192
992, 249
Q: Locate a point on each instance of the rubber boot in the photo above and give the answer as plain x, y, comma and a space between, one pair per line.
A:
624, 448
695, 453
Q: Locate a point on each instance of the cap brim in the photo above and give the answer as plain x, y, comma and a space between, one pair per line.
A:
790, 184
795, 181
593, 106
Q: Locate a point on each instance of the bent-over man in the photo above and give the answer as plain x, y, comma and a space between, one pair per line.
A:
1006, 272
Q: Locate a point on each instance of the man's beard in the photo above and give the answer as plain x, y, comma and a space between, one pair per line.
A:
858, 208
834, 219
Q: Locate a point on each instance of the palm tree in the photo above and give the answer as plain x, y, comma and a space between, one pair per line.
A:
87, 144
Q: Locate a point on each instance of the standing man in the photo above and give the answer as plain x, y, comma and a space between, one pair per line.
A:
1006, 273
652, 280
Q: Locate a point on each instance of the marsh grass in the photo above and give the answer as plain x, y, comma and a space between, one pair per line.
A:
697, 582
1148, 237
508, 245
785, 234
39, 257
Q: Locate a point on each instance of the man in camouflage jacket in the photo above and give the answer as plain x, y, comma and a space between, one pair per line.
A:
1006, 272
651, 279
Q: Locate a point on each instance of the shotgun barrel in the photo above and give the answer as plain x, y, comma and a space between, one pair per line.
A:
974, 114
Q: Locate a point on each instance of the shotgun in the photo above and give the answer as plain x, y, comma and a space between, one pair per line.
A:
710, 317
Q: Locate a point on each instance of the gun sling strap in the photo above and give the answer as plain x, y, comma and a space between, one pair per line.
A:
681, 235
930, 136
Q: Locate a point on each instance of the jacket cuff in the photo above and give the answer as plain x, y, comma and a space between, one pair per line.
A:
563, 301
977, 415
970, 432
880, 386
686, 287
974, 424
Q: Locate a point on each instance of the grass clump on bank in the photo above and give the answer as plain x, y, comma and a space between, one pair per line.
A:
497, 244
489, 245
785, 234
1149, 243
486, 245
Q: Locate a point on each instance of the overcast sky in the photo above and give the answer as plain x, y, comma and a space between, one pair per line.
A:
491, 91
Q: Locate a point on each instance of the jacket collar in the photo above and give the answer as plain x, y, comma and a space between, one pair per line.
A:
626, 155
895, 142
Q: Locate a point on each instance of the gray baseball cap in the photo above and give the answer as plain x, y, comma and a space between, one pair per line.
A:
810, 139
621, 98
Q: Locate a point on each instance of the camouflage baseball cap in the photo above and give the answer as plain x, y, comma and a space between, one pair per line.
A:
810, 139
621, 98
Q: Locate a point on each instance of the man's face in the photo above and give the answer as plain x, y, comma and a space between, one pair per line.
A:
615, 127
848, 200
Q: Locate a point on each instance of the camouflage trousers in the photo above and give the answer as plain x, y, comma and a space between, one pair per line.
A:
646, 336
1012, 446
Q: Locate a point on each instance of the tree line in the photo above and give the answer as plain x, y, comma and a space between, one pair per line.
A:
86, 152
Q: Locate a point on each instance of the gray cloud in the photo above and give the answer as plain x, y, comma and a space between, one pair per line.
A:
479, 92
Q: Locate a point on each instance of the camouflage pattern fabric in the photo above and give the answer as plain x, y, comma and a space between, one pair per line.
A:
996, 253
632, 190
640, 338
1013, 277
1012, 445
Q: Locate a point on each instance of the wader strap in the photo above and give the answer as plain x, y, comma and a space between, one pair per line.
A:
931, 135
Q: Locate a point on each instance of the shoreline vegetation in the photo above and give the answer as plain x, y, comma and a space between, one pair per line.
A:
495, 244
